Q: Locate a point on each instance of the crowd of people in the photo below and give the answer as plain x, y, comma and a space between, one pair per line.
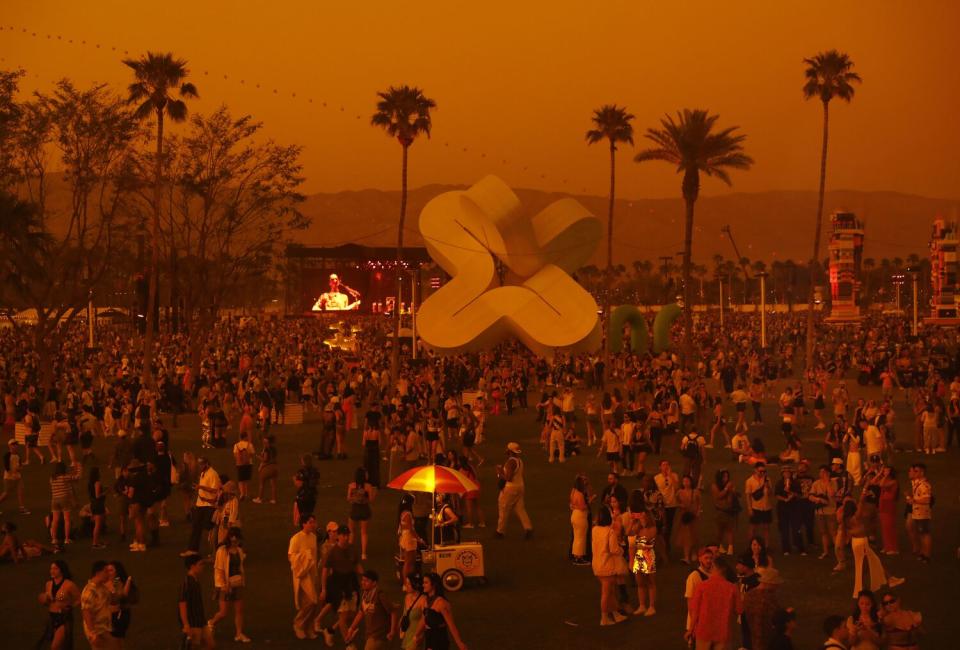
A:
105, 436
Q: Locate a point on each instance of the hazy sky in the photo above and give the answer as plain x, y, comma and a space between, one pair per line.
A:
516, 82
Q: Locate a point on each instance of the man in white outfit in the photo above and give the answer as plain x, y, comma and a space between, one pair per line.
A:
512, 492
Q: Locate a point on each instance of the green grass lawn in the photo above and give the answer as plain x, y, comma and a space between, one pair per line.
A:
534, 598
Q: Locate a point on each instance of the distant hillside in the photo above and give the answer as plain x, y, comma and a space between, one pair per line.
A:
775, 225
767, 225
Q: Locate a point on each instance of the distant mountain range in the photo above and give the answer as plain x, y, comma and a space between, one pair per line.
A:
767, 226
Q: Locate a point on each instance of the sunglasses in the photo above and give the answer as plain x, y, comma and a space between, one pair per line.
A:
888, 602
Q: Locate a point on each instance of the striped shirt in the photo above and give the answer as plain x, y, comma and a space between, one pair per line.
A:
61, 487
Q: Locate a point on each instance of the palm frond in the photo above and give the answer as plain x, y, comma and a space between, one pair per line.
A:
189, 90
177, 110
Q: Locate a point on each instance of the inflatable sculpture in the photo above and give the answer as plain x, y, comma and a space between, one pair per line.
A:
639, 337
535, 299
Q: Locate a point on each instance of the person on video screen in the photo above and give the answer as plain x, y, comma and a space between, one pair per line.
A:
335, 299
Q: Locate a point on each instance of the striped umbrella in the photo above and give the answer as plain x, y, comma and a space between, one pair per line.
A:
434, 479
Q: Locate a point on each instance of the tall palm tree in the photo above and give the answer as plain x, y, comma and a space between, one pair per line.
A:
690, 143
403, 112
829, 74
158, 90
611, 123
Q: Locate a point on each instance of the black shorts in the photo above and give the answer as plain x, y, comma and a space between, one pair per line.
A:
761, 517
341, 587
613, 457
741, 407
453, 423
244, 472
433, 436
31, 439
360, 512
922, 526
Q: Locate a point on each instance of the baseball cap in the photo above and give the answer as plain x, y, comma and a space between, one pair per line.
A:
514, 448
836, 461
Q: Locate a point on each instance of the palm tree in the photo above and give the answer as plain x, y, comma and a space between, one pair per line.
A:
156, 77
612, 123
403, 112
829, 74
693, 147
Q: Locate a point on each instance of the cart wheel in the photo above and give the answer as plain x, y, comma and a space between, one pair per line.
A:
452, 580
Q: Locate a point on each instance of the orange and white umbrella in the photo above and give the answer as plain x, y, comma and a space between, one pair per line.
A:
434, 479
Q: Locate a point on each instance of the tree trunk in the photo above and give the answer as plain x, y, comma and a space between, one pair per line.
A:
43, 341
691, 188
607, 306
147, 378
395, 352
816, 237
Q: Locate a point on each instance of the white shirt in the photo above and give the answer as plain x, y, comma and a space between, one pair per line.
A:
208, 479
688, 405
244, 445
668, 486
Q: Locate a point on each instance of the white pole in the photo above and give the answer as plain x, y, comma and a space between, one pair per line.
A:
914, 278
720, 281
413, 311
763, 311
91, 318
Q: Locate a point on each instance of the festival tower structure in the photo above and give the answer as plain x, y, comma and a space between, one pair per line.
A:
846, 255
944, 276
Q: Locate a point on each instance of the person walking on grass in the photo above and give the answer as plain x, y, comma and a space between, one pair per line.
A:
229, 580
243, 453
340, 585
437, 625
192, 620
511, 499
302, 554
268, 470
96, 604
377, 612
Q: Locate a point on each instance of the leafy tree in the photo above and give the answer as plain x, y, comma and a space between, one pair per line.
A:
55, 258
10, 114
691, 144
156, 76
231, 204
829, 74
403, 112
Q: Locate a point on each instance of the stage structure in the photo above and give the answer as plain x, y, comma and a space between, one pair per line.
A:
944, 276
846, 255
534, 299
353, 278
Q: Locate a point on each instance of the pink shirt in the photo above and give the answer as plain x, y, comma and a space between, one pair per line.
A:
714, 603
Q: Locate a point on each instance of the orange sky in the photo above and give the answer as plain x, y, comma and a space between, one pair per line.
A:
517, 81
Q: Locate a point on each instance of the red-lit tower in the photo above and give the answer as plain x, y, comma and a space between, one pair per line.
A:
944, 274
846, 255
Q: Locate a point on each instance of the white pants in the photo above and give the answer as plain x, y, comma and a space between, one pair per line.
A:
511, 500
578, 521
878, 577
556, 442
